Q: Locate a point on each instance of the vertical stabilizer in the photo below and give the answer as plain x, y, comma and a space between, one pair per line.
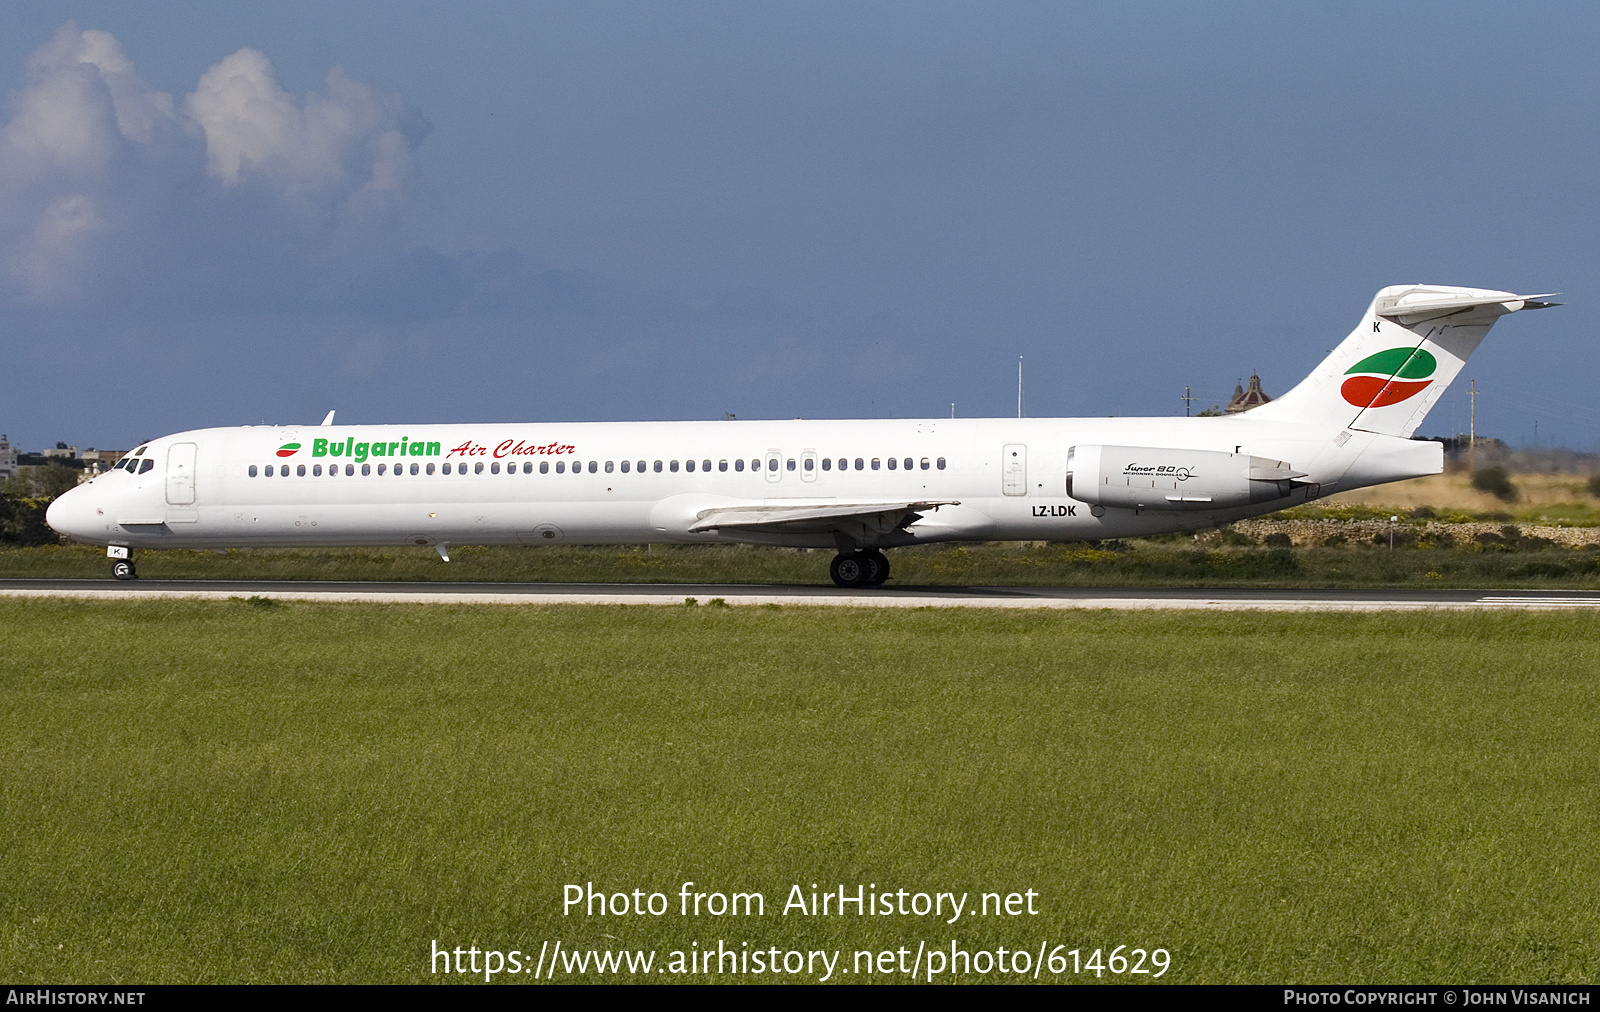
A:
1392, 369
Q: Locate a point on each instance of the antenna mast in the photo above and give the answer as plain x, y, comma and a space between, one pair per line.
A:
1019, 386
1472, 430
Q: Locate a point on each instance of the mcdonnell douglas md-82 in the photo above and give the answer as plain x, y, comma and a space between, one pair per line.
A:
855, 486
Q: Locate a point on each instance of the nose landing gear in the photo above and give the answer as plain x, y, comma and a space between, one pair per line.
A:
123, 569
869, 568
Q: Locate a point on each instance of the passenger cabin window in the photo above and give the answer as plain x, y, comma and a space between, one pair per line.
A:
891, 463
738, 465
252, 470
941, 463
477, 468
688, 465
608, 467
300, 470
908, 463
625, 464
494, 468
640, 467
594, 465
809, 463
860, 464
722, 465
544, 467
658, 467
673, 467
827, 463
874, 463
366, 469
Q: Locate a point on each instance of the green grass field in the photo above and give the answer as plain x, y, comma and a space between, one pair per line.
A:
1174, 561
238, 791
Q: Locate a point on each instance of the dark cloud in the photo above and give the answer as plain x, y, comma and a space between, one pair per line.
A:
428, 285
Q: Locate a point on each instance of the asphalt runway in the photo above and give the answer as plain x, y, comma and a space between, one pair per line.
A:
1231, 599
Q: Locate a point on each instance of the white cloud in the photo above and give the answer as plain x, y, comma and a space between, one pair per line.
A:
348, 141
83, 101
101, 176
49, 265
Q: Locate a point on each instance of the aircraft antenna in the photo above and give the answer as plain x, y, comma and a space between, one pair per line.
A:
1019, 386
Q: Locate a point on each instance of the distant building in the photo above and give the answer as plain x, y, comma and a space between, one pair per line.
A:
1244, 400
100, 460
61, 451
8, 459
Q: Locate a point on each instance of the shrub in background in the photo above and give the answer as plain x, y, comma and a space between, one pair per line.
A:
1494, 481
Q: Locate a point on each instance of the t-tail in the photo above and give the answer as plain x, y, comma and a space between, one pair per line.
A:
1392, 369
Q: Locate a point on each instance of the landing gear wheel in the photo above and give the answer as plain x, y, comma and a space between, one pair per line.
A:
122, 569
850, 570
877, 567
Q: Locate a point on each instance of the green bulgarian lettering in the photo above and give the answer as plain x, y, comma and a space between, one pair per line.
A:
319, 447
361, 453
433, 449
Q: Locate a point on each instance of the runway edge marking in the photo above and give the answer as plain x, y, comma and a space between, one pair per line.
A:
820, 600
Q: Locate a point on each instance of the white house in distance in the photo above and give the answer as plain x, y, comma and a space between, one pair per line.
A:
8, 459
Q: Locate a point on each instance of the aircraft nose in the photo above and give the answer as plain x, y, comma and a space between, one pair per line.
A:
73, 513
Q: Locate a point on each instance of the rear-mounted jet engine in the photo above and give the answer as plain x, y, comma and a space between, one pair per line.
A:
1160, 478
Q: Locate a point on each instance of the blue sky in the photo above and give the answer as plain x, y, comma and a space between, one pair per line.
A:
215, 216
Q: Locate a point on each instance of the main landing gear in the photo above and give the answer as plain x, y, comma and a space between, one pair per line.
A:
867, 568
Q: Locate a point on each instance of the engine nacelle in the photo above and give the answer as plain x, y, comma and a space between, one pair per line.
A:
1161, 478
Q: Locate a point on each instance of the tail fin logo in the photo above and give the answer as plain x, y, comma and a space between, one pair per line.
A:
1389, 377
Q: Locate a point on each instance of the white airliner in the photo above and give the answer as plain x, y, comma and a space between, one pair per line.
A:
855, 486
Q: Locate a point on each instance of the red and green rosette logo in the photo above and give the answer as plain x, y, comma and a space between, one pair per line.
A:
1388, 377
288, 449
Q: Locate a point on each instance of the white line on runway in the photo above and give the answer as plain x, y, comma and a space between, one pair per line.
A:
885, 601
1540, 602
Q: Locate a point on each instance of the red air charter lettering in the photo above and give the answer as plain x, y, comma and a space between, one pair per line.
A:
521, 449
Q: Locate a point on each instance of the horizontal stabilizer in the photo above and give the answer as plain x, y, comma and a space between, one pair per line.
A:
813, 518
1418, 306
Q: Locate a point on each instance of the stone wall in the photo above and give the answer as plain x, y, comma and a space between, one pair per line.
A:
1316, 532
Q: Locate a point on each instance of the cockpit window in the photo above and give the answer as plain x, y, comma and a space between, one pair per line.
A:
140, 451
147, 465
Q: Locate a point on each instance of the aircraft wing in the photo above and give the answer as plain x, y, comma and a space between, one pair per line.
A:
876, 517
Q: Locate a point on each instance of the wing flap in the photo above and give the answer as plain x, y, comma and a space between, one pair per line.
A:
815, 518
